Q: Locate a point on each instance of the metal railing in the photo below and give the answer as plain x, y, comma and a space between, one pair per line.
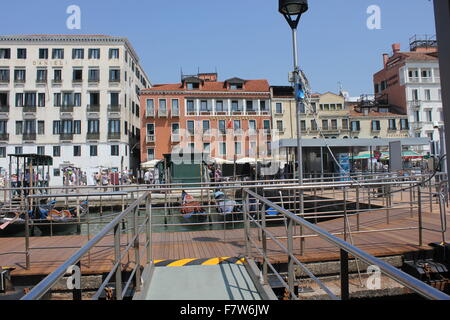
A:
346, 249
120, 254
366, 193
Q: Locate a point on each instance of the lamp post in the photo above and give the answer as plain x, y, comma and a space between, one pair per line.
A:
292, 10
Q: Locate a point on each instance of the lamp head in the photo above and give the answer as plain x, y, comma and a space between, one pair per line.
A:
291, 8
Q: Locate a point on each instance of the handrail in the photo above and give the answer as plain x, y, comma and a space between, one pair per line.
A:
398, 275
42, 287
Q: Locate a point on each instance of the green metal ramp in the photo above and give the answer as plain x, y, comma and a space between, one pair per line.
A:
226, 281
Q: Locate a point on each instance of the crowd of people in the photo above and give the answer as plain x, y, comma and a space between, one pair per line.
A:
105, 178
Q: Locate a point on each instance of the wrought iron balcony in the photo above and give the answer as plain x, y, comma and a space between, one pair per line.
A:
66, 108
4, 136
93, 108
29, 109
66, 136
114, 135
151, 138
114, 108
4, 108
93, 136
29, 137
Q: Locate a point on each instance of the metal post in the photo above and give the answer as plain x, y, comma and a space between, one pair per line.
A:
357, 207
345, 213
430, 190
420, 215
246, 224
411, 200
345, 292
302, 212
117, 260
137, 257
298, 101
264, 246
386, 197
290, 247
27, 237
148, 211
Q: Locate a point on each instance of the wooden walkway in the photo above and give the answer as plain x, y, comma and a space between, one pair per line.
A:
217, 243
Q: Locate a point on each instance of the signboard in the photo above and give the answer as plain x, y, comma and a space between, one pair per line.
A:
344, 165
395, 156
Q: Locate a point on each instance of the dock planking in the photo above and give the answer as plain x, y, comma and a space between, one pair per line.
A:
217, 243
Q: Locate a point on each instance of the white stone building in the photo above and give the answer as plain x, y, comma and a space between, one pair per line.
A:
75, 98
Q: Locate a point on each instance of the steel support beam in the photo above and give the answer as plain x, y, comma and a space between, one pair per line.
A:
442, 16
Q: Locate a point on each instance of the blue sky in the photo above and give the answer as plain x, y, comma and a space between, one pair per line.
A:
244, 38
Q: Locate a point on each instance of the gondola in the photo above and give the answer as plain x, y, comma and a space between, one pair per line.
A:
227, 207
192, 210
45, 217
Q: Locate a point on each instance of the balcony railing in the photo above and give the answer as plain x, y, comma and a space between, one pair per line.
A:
4, 136
41, 81
175, 112
4, 80
93, 136
4, 108
77, 81
162, 112
29, 109
93, 108
66, 136
113, 135
175, 138
114, 108
151, 138
66, 108
19, 80
29, 137
413, 80
57, 81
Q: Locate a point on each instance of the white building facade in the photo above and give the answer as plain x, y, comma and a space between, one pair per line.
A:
75, 98
423, 93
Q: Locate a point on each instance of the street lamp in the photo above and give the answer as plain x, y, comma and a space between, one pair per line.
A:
292, 10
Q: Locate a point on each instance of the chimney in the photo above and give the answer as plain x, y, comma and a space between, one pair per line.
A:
396, 47
385, 59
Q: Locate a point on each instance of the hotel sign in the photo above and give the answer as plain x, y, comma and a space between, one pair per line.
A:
54, 63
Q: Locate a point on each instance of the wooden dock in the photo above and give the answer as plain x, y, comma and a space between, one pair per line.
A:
217, 243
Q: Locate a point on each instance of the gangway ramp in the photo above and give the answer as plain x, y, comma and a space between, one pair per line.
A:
203, 279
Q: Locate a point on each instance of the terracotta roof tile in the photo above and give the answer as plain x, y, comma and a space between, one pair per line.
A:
215, 86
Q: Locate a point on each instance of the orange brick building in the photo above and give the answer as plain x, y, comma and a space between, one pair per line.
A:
229, 119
